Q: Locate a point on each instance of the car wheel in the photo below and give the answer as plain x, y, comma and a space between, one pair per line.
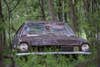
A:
23, 47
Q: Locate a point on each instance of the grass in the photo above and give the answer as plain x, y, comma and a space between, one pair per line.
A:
44, 61
50, 61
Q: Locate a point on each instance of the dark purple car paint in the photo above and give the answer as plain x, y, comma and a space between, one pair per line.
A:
48, 34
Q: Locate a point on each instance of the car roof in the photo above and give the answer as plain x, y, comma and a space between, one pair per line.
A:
46, 22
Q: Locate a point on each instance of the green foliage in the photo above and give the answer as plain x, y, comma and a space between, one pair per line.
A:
88, 25
50, 61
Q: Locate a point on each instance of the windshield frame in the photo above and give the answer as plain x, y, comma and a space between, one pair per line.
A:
67, 28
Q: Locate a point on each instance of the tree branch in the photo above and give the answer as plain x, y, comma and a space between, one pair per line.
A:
8, 7
18, 2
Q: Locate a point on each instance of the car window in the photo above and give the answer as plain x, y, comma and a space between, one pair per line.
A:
60, 29
69, 30
57, 28
33, 28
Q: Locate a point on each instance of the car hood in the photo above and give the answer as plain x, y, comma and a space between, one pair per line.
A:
52, 39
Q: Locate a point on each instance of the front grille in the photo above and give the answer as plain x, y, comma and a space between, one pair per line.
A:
51, 48
45, 48
66, 48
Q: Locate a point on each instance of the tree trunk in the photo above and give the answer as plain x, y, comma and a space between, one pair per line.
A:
98, 53
98, 43
51, 10
73, 15
60, 8
86, 7
42, 2
1, 36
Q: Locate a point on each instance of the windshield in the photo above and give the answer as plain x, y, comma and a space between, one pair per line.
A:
62, 30
40, 28
59, 29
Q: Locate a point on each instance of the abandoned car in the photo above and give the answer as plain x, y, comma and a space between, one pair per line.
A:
54, 37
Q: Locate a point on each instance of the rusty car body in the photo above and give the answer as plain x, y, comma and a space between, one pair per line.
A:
57, 36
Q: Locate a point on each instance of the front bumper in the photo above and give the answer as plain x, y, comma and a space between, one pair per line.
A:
45, 53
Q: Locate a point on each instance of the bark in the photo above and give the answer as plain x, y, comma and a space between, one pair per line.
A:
98, 53
2, 41
1, 15
1, 31
98, 45
51, 10
60, 8
42, 2
86, 5
1, 36
64, 14
73, 15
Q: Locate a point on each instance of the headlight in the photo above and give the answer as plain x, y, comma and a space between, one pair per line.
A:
23, 47
85, 47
